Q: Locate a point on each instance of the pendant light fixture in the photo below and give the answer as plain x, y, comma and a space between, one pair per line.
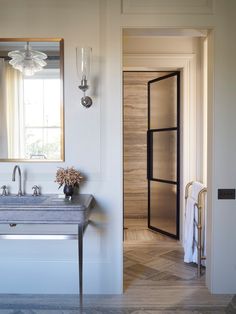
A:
27, 61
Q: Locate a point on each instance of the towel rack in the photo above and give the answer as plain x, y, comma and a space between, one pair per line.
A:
200, 205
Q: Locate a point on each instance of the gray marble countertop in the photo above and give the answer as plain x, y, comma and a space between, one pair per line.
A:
45, 209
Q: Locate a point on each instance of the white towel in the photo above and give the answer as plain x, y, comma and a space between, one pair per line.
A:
190, 229
195, 236
203, 223
196, 188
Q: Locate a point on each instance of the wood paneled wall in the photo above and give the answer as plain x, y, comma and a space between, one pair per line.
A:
135, 147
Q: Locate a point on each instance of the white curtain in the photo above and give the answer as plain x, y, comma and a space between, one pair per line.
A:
14, 112
3, 112
11, 112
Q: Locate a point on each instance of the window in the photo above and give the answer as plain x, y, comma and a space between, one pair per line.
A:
42, 115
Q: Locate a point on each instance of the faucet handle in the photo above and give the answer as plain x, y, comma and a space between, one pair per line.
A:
4, 190
35, 189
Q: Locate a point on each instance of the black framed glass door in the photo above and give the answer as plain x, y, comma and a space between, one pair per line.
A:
163, 154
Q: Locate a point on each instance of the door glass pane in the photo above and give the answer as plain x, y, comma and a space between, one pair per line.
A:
164, 155
163, 103
163, 206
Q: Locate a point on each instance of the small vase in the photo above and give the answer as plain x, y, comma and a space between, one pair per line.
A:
68, 190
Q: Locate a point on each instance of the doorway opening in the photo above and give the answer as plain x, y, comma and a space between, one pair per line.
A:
165, 145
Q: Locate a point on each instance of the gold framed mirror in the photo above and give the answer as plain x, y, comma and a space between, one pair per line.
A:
31, 99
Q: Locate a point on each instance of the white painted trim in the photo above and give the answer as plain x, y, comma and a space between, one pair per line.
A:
167, 7
149, 62
186, 63
210, 247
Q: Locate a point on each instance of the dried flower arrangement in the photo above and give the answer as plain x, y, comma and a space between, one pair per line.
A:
68, 176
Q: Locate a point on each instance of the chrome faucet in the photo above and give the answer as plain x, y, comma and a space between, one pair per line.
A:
14, 179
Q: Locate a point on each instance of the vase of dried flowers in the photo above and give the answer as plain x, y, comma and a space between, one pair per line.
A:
70, 178
68, 190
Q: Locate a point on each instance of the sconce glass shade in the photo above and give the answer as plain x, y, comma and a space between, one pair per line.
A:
83, 59
27, 61
83, 64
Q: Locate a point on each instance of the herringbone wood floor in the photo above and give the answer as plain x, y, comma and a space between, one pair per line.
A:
154, 259
154, 264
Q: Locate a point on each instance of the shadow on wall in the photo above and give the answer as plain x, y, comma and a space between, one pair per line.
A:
96, 245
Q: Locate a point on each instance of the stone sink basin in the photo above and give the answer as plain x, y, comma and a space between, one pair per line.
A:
13, 200
46, 209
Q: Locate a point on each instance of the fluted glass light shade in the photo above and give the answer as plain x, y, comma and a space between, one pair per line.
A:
27, 61
83, 64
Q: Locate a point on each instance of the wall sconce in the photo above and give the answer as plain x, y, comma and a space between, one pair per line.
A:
83, 60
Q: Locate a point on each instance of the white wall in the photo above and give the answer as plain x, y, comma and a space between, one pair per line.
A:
90, 134
223, 214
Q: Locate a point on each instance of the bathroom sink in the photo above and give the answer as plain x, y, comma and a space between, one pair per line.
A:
22, 200
49, 208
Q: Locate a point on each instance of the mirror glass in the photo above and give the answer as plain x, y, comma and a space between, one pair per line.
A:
31, 100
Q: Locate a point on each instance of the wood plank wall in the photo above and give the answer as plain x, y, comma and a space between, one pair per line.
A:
135, 147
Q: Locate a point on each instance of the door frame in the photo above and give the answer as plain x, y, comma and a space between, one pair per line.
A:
187, 65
